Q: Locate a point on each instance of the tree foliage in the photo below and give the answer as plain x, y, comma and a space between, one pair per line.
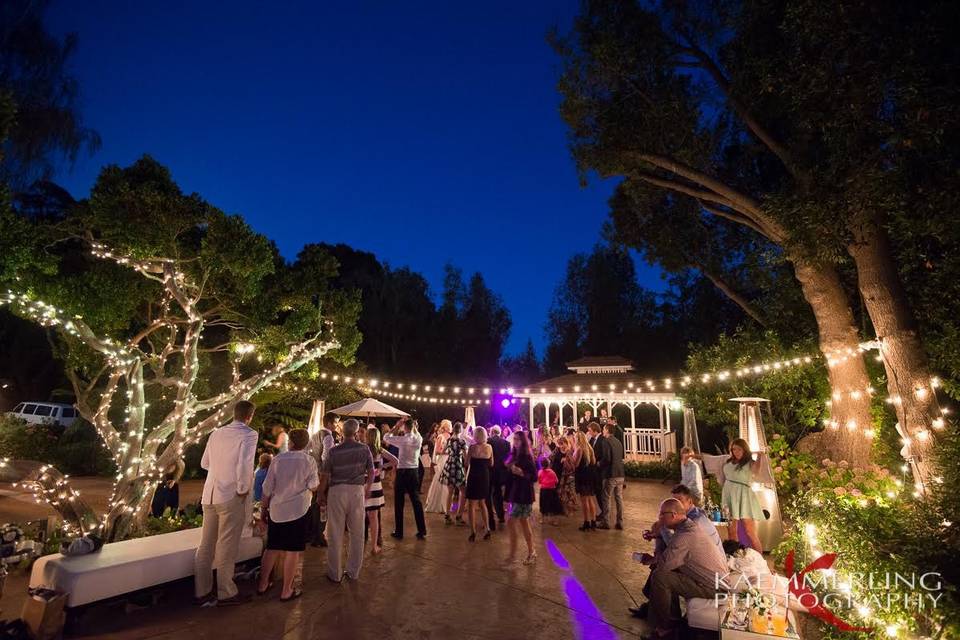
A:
45, 124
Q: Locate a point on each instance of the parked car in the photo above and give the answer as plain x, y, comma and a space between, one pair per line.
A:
45, 413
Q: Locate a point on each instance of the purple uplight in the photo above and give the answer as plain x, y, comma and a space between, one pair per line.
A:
556, 555
587, 618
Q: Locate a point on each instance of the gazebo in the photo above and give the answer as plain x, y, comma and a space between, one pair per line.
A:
606, 382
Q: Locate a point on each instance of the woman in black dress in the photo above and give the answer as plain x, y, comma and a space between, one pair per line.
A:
479, 463
587, 478
524, 472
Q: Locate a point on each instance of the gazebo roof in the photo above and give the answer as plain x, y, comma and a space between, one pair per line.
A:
585, 382
598, 376
600, 362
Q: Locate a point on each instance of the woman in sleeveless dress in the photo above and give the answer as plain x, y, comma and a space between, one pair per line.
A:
437, 494
585, 478
454, 476
738, 498
479, 464
374, 502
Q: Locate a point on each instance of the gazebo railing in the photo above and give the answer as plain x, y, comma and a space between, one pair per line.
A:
644, 442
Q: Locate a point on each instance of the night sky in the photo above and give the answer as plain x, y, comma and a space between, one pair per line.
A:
424, 133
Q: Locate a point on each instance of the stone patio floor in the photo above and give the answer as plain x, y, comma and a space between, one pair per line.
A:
440, 588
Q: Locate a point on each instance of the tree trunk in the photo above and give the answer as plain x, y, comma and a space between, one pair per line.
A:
131, 498
904, 357
846, 435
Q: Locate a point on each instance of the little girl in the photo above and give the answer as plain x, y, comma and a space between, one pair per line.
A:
550, 506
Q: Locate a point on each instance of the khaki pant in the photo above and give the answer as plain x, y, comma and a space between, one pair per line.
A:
612, 487
219, 546
345, 507
666, 589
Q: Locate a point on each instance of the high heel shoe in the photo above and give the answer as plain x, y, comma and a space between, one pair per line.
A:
472, 538
447, 519
486, 536
531, 558
584, 527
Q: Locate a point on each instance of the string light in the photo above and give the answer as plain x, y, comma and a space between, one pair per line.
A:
140, 460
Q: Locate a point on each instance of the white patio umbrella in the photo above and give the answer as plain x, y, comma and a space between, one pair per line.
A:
370, 408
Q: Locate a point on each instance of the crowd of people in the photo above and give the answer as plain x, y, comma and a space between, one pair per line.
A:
328, 490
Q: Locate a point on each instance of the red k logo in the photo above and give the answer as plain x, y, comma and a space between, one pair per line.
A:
809, 599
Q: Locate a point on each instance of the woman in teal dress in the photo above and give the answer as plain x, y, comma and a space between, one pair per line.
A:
738, 498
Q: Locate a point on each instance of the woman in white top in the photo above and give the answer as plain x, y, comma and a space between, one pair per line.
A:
287, 494
437, 494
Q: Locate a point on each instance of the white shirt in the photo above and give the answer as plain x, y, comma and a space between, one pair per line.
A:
228, 459
322, 438
290, 480
409, 446
692, 478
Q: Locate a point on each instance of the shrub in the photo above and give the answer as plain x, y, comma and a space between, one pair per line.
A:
659, 469
869, 518
76, 450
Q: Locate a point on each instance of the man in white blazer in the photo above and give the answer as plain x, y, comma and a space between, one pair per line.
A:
228, 459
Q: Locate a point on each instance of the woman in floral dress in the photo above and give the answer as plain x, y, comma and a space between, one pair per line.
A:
568, 487
454, 475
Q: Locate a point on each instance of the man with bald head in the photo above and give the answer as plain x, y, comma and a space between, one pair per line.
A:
687, 567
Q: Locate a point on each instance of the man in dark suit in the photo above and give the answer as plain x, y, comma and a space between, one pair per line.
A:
612, 477
499, 476
602, 451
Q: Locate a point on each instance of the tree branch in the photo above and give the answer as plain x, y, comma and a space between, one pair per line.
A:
738, 218
737, 198
735, 296
680, 187
753, 124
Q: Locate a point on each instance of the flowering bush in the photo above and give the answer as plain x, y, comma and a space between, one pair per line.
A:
871, 521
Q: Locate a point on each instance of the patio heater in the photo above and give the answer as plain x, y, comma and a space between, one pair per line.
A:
770, 530
469, 417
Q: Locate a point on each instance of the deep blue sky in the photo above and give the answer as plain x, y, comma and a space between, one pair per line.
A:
422, 132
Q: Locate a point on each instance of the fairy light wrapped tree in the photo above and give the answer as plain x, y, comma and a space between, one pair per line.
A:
187, 311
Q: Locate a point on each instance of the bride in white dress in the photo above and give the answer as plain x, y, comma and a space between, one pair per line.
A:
437, 495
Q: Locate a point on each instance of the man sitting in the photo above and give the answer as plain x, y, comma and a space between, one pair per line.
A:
661, 535
686, 566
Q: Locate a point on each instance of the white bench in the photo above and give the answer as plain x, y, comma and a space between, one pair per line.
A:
128, 566
702, 613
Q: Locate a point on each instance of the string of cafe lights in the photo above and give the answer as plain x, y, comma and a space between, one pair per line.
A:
438, 393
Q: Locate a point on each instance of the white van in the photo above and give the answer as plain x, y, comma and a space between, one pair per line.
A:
45, 413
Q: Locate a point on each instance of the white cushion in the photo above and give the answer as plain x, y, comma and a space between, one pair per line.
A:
702, 614
124, 567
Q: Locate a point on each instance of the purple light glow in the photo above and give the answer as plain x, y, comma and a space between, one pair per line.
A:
587, 618
556, 555
505, 403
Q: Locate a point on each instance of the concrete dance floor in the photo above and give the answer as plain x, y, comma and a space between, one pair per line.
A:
442, 588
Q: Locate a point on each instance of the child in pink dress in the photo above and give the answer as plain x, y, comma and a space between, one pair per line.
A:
550, 506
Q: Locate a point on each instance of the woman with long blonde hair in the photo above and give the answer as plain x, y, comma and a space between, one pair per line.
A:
375, 501
586, 478
479, 465
437, 493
